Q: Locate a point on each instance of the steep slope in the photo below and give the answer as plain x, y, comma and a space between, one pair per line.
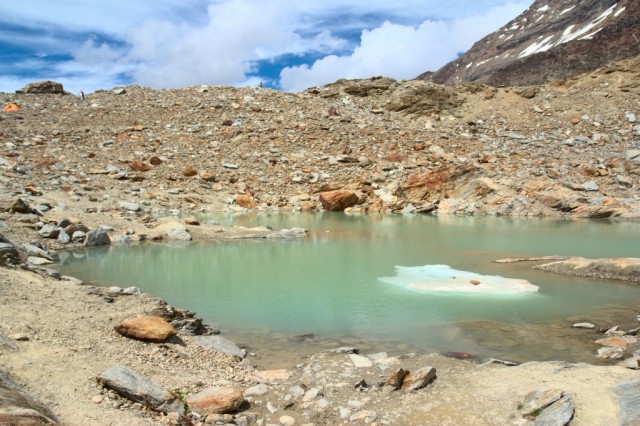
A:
549, 41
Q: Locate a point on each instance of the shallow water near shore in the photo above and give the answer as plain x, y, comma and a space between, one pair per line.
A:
289, 298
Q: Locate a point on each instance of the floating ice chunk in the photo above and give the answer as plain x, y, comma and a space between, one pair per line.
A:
442, 278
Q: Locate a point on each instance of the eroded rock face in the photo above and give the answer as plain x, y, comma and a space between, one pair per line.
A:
549, 41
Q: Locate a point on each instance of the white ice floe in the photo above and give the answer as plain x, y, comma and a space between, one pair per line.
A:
442, 278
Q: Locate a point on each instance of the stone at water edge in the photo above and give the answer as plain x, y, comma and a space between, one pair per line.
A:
150, 328
246, 201
97, 237
419, 379
334, 201
586, 325
360, 361
217, 400
137, 388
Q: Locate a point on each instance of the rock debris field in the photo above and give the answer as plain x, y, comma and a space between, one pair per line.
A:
133, 164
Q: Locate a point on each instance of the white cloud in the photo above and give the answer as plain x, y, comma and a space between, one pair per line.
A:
172, 43
401, 51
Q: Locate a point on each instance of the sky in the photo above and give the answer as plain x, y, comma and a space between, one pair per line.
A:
284, 44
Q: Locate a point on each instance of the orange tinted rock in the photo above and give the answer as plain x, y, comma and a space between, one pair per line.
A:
246, 201
139, 166
151, 328
335, 201
419, 379
155, 161
217, 400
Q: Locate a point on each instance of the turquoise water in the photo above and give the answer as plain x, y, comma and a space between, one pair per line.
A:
327, 284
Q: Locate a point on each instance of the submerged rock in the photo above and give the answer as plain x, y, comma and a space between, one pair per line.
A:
220, 344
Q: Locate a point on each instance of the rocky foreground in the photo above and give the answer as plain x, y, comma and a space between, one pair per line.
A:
120, 165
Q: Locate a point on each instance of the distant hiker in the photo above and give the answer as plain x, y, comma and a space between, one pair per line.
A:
260, 85
82, 95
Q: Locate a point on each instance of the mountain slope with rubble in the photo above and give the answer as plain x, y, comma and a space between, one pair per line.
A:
376, 145
550, 41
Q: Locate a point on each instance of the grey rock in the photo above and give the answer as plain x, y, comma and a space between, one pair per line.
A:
7, 253
230, 166
32, 260
33, 250
288, 234
624, 181
629, 400
257, 390
419, 379
129, 206
137, 388
97, 237
631, 118
538, 400
49, 231
559, 413
78, 236
220, 344
178, 234
632, 154
119, 91
63, 237
591, 186
18, 407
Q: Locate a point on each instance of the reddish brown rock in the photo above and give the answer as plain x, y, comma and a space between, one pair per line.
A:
151, 328
192, 221
139, 166
189, 172
208, 177
419, 379
217, 400
155, 161
335, 201
246, 201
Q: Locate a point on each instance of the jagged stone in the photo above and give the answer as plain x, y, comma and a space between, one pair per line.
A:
419, 379
95, 238
219, 344
334, 201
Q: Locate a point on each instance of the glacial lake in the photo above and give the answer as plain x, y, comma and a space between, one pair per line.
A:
288, 298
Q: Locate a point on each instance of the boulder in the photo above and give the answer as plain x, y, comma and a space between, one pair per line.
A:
334, 201
8, 253
17, 205
129, 206
18, 407
174, 231
49, 231
43, 88
536, 401
219, 344
151, 328
137, 388
419, 379
96, 237
217, 400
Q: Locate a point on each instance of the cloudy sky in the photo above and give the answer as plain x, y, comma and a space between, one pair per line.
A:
286, 44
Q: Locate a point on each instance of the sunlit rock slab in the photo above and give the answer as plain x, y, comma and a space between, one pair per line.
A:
443, 278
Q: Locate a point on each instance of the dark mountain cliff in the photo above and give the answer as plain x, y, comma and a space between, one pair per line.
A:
552, 40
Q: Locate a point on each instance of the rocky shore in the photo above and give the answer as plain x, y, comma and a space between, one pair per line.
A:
135, 164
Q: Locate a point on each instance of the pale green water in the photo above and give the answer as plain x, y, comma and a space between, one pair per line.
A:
327, 284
